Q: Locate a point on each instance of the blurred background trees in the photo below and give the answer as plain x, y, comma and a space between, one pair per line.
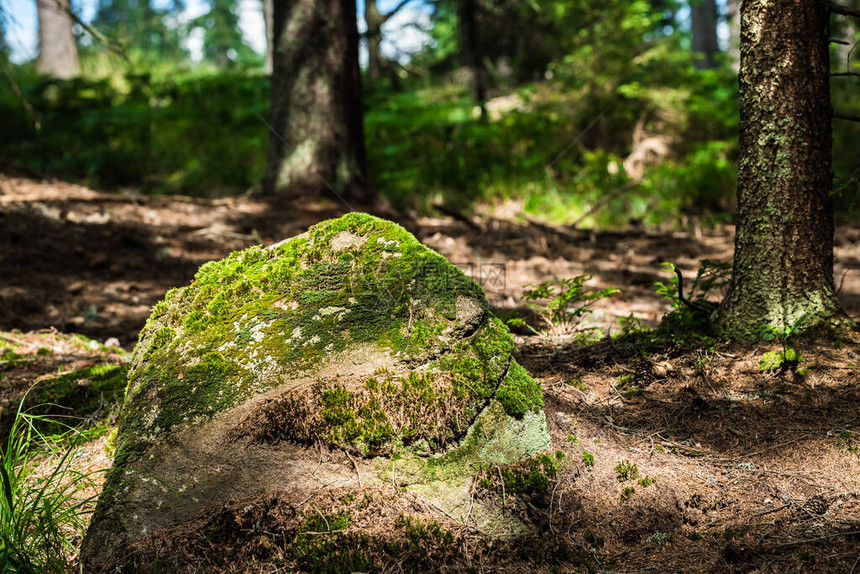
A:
583, 111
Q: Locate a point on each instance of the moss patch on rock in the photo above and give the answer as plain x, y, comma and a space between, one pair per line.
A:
529, 477
263, 315
283, 311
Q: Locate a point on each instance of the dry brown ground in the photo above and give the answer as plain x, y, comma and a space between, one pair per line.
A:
755, 472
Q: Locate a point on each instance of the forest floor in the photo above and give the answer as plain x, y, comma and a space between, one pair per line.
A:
754, 471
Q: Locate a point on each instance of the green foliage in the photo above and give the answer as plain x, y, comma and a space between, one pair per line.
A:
145, 34
319, 548
782, 333
42, 514
567, 303
788, 357
587, 458
626, 470
627, 492
529, 477
418, 531
847, 441
690, 321
630, 325
646, 481
222, 38
779, 360
186, 134
93, 394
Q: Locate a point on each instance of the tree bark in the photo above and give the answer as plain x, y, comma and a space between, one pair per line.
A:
783, 265
471, 57
703, 17
317, 139
58, 52
269, 23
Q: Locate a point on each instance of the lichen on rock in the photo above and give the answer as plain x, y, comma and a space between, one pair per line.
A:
352, 335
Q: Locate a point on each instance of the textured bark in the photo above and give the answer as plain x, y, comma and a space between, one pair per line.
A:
317, 140
783, 266
470, 50
58, 53
269, 22
703, 17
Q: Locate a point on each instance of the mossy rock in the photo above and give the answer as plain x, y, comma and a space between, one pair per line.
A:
327, 359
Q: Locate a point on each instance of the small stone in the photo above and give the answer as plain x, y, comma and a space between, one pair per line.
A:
112, 343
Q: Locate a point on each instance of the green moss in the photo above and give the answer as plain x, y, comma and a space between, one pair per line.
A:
319, 547
348, 423
418, 531
494, 438
626, 470
529, 477
519, 392
92, 395
110, 442
779, 360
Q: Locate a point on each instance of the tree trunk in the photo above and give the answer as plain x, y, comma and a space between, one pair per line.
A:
317, 139
703, 17
269, 22
58, 53
374, 22
783, 266
470, 50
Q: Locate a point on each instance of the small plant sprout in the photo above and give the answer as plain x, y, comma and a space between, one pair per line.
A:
669, 290
587, 458
627, 492
657, 538
647, 481
562, 304
578, 384
630, 325
788, 357
626, 470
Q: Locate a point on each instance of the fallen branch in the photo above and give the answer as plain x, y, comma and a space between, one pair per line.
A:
617, 192
844, 10
847, 117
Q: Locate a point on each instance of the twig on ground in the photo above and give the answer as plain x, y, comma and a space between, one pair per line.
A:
355, 466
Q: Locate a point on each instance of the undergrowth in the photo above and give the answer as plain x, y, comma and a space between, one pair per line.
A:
43, 515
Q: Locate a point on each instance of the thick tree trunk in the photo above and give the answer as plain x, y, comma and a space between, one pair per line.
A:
783, 267
703, 17
470, 50
269, 22
374, 22
58, 53
317, 139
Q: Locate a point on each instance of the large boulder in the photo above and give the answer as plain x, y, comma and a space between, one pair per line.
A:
348, 356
